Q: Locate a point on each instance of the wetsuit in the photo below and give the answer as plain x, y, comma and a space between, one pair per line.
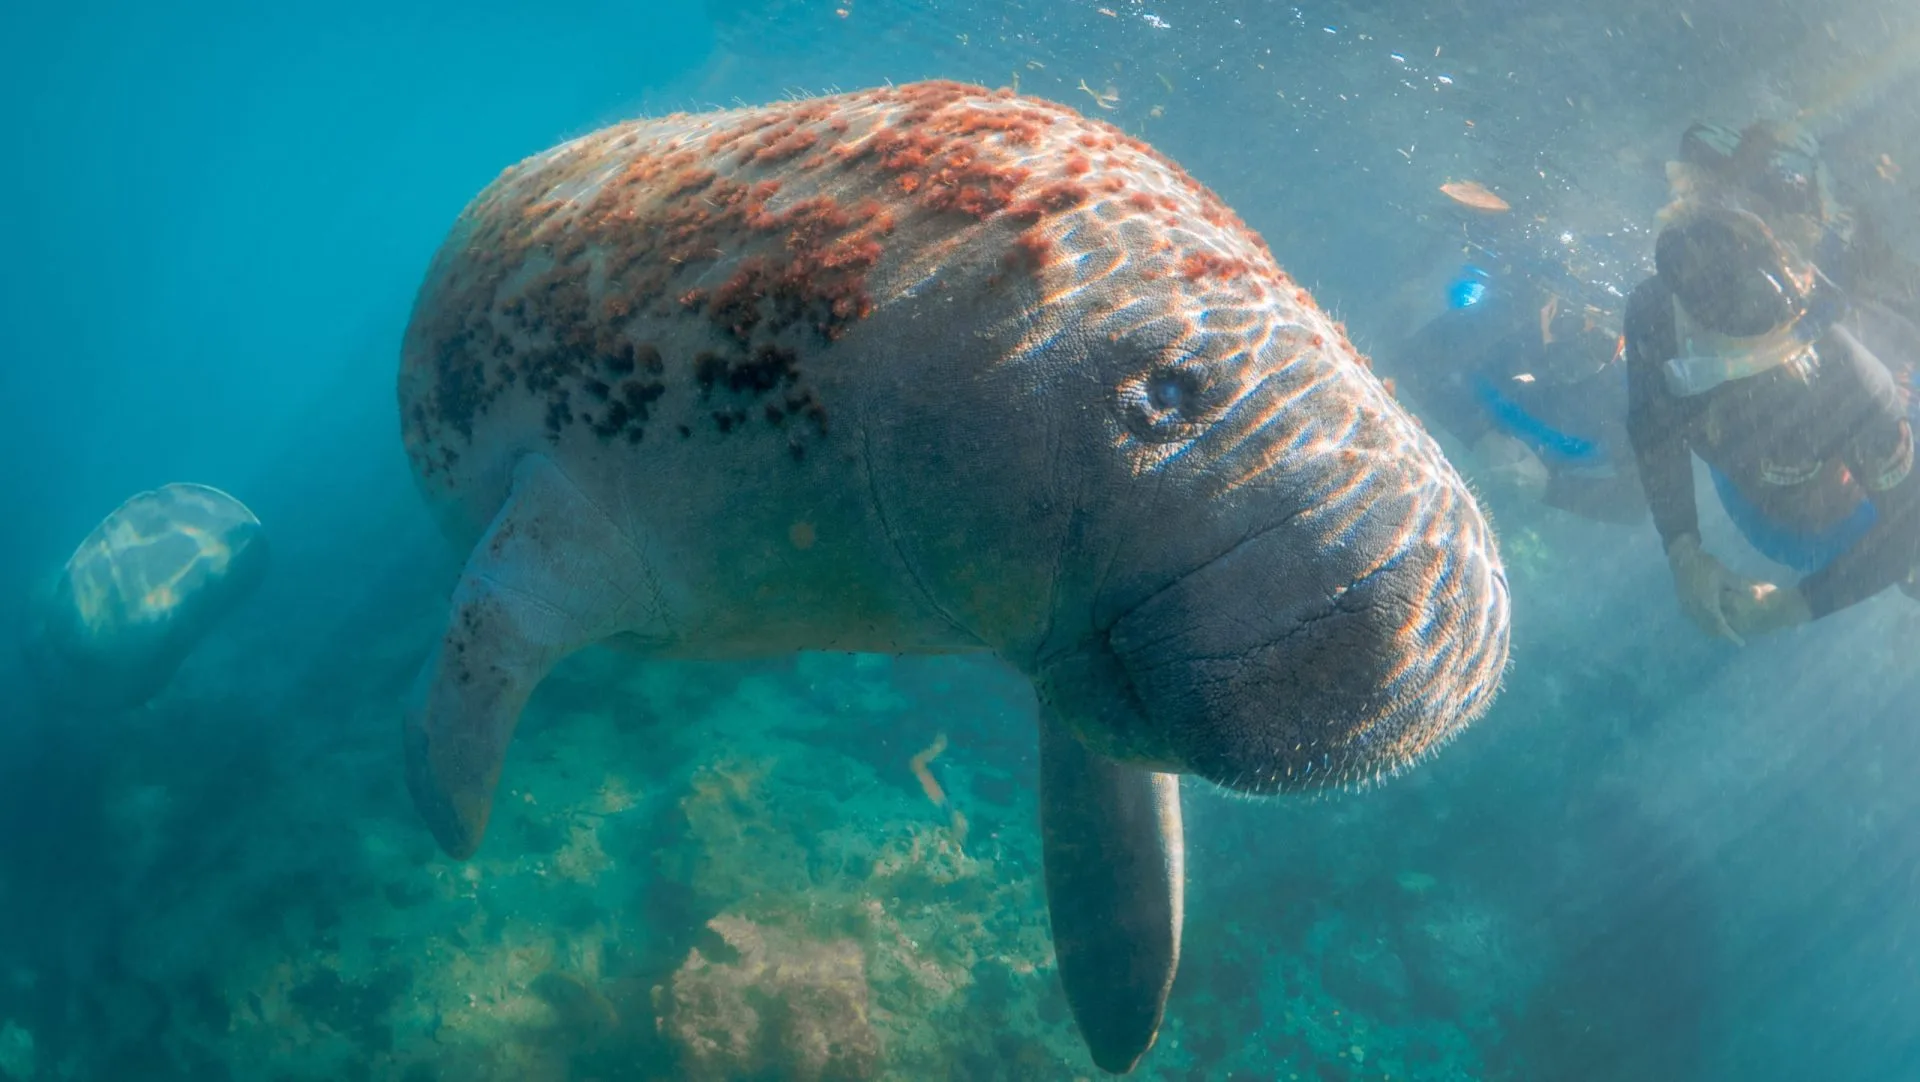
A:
1476, 370
1813, 459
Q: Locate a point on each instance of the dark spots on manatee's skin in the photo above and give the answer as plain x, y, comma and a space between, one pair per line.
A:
469, 626
585, 367
708, 368
496, 547
615, 388
550, 341
459, 390
629, 407
769, 376
753, 375
559, 415
644, 357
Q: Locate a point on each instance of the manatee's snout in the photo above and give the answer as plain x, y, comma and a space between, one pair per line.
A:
1339, 643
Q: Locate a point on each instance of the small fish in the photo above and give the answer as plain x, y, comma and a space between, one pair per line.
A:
1471, 193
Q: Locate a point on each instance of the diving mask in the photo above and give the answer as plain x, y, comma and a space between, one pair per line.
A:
1708, 358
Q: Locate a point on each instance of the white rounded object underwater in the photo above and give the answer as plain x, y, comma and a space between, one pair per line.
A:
140, 592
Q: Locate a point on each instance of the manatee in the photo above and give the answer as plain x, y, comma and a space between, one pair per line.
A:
932, 369
140, 593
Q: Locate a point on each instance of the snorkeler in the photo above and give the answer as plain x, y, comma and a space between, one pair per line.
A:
1534, 386
1741, 351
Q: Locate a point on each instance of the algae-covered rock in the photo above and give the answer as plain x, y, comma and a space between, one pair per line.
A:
766, 1003
141, 592
822, 860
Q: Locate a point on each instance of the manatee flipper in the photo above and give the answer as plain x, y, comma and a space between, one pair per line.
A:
553, 573
1116, 883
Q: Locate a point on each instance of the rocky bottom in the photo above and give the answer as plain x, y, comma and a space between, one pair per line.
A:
700, 872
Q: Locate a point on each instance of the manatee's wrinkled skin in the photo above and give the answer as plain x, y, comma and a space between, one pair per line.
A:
140, 593
932, 369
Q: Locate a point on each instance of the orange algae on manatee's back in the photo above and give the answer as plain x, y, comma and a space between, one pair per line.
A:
766, 224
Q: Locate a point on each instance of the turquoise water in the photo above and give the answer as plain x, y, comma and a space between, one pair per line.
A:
1658, 857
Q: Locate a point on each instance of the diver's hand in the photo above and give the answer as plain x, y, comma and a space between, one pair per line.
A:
1706, 588
1512, 464
1762, 607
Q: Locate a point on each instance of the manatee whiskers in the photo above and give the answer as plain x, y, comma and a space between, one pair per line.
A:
1316, 781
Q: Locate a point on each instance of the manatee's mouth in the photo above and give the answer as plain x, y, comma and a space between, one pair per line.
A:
1293, 692
1126, 727
1092, 689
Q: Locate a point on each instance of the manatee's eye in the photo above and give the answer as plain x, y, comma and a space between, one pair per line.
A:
1172, 401
1167, 390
